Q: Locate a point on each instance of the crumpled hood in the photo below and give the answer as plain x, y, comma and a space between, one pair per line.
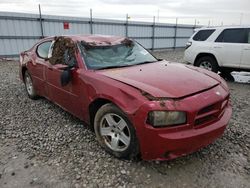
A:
162, 79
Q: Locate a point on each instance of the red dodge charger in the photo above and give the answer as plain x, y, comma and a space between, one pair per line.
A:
136, 103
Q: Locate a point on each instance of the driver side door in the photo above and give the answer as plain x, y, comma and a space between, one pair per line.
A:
68, 96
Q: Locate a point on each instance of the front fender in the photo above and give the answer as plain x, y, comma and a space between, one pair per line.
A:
127, 98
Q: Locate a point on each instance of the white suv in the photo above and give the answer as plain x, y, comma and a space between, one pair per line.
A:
223, 49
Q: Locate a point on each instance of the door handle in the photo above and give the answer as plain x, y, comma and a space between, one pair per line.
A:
246, 48
217, 46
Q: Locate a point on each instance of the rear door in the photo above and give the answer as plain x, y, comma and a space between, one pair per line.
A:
228, 47
37, 67
245, 59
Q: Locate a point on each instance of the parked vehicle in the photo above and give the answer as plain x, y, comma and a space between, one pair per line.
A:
135, 103
223, 49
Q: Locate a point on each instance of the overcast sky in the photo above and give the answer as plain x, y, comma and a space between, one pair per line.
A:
204, 11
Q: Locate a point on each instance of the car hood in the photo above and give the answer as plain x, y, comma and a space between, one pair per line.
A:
162, 79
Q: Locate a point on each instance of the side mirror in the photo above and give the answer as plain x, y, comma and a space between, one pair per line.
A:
65, 77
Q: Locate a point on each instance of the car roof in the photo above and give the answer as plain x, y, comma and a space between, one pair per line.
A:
98, 40
225, 27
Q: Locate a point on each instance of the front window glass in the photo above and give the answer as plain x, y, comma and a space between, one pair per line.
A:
62, 51
112, 56
43, 49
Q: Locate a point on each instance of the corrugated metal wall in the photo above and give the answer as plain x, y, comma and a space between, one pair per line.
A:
19, 31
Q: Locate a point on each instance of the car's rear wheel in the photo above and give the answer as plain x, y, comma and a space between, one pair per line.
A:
29, 86
208, 63
115, 133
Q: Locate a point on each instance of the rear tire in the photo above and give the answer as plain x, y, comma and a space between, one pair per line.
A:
115, 133
208, 63
29, 86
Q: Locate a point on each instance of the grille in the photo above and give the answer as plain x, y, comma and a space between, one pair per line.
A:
211, 113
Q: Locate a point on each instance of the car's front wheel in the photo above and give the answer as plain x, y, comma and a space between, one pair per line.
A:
115, 133
208, 63
29, 86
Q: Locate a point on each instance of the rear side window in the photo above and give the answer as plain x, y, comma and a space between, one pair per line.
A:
232, 36
248, 34
203, 35
43, 49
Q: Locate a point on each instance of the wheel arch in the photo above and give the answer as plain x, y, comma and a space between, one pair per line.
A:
94, 106
24, 69
200, 55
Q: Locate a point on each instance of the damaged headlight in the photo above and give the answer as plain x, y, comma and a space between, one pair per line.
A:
166, 118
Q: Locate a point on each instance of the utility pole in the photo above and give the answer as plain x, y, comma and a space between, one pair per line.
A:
91, 22
194, 25
158, 15
175, 31
41, 21
153, 34
126, 25
241, 18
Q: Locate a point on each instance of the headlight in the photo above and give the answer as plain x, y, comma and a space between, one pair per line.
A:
166, 118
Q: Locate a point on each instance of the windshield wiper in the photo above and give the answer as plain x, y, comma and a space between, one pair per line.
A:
145, 62
126, 65
111, 67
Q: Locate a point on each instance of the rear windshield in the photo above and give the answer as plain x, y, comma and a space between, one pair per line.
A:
203, 35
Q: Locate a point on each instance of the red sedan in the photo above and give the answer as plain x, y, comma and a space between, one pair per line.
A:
136, 103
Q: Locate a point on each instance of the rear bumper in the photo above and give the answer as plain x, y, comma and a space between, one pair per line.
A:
162, 145
189, 56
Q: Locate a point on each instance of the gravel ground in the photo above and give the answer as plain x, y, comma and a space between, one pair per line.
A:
43, 146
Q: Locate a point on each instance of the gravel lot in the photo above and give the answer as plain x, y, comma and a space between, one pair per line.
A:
43, 146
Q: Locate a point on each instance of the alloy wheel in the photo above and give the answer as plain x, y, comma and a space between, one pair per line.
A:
206, 65
115, 132
28, 84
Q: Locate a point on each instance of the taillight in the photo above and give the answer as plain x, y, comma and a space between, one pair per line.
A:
188, 44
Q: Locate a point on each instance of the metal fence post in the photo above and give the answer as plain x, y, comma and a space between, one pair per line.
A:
126, 26
153, 34
41, 21
194, 26
91, 22
175, 32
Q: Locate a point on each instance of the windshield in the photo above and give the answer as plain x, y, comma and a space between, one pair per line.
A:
113, 56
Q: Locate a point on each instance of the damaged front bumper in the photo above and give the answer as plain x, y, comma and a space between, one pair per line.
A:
171, 142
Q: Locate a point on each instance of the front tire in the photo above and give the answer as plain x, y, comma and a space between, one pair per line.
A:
208, 63
115, 133
29, 86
